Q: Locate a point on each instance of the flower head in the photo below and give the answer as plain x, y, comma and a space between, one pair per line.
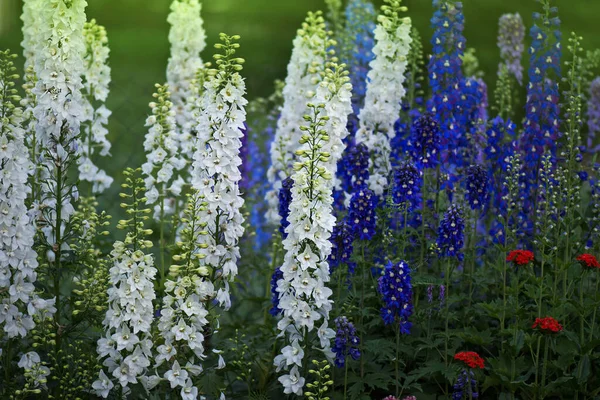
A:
395, 288
511, 35
346, 341
547, 325
451, 238
588, 260
520, 257
477, 187
470, 358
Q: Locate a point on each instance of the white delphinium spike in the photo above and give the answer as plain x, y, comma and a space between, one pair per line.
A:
188, 40
304, 297
308, 58
18, 259
385, 91
95, 90
126, 348
162, 157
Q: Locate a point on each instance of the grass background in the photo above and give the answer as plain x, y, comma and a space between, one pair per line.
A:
138, 31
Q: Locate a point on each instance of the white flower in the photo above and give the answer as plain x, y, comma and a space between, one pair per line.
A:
308, 57
103, 385
176, 376
293, 382
384, 95
293, 354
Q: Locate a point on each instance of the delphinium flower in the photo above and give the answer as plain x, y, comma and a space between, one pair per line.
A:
95, 90
304, 296
346, 342
353, 169
547, 325
425, 141
471, 359
35, 372
357, 47
477, 187
304, 68
406, 186
187, 39
511, 37
520, 257
285, 198
18, 259
362, 214
450, 240
466, 386
59, 114
385, 90
277, 275
163, 159
396, 291
593, 114
588, 260
541, 126
126, 346
445, 75
342, 241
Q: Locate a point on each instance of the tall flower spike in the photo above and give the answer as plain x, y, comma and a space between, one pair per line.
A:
385, 90
126, 347
188, 40
304, 297
593, 114
511, 36
18, 260
95, 90
308, 57
395, 288
162, 157
451, 233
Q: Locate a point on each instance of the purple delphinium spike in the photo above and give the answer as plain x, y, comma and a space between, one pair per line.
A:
346, 342
425, 141
451, 238
361, 214
461, 390
395, 288
511, 37
406, 186
477, 185
285, 198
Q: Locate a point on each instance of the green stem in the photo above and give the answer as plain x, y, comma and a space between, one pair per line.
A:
346, 379
543, 384
595, 309
446, 334
396, 360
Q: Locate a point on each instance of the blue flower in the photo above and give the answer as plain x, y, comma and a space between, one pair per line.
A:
342, 239
285, 198
277, 275
425, 141
406, 186
353, 169
361, 214
395, 288
477, 187
460, 387
346, 342
451, 237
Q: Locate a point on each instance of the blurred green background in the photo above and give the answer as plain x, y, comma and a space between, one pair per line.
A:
138, 31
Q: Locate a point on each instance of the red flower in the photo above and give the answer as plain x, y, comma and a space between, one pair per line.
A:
470, 358
547, 324
588, 260
520, 257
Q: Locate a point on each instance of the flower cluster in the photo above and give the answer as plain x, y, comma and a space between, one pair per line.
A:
342, 240
126, 347
285, 198
395, 288
588, 260
361, 214
470, 358
385, 90
163, 159
451, 233
520, 257
406, 186
346, 342
466, 386
304, 297
304, 69
593, 114
511, 36
95, 91
425, 141
547, 325
477, 187
187, 39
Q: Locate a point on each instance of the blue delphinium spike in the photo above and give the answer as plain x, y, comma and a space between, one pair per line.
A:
395, 288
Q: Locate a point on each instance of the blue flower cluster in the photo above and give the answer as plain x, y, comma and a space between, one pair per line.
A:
461, 391
346, 341
361, 214
425, 141
285, 198
477, 187
406, 186
451, 234
353, 169
395, 288
342, 239
277, 275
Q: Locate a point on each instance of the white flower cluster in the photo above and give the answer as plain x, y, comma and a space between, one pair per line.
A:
188, 39
162, 157
18, 259
303, 75
35, 371
385, 91
95, 89
127, 346
304, 297
59, 111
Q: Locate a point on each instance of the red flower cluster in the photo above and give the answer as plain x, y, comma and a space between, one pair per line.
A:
470, 358
547, 324
588, 260
520, 257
